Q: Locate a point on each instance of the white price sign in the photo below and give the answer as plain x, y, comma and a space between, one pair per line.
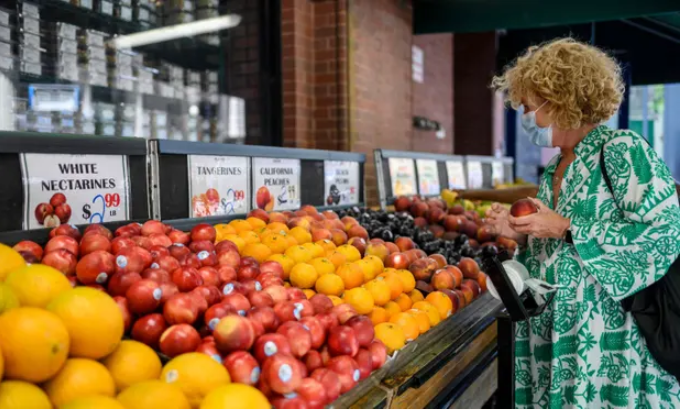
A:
276, 183
497, 174
341, 182
76, 189
218, 185
456, 174
475, 176
428, 177
402, 176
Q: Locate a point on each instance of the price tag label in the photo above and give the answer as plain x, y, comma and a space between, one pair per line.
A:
75, 189
456, 174
475, 176
402, 176
497, 174
341, 181
218, 185
428, 177
276, 182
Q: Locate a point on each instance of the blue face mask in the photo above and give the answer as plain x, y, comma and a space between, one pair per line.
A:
537, 135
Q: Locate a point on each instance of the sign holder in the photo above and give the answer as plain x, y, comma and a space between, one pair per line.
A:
488, 163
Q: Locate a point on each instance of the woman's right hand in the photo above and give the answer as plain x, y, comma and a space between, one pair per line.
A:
497, 220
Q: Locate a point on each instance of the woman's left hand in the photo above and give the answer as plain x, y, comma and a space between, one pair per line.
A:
545, 223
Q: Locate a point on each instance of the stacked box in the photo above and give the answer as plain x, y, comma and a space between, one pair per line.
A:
174, 76
206, 9
145, 13
64, 48
120, 69
145, 75
92, 57
123, 9
178, 12
86, 4
30, 53
210, 86
6, 55
126, 115
105, 119
104, 7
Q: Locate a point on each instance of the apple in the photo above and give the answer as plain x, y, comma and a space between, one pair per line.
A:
61, 260
203, 232
378, 353
260, 299
313, 360
226, 274
120, 243
169, 290
299, 337
330, 382
270, 344
233, 287
278, 293
282, 373
215, 313
142, 241
120, 282
248, 272
251, 285
148, 329
177, 236
321, 303
153, 227
211, 294
347, 370
178, 339
312, 392
364, 360
209, 276
159, 239
129, 260
273, 267
325, 355
264, 316
289, 401
66, 229
229, 257
186, 279
270, 280
295, 294
62, 242
363, 329
157, 251
316, 330
125, 311
42, 211
190, 260
30, 247
242, 368
225, 245
157, 275
404, 243
234, 332
443, 279
208, 348
457, 210
95, 267
523, 207
469, 268
206, 258
344, 312
396, 261
180, 308
144, 296
238, 302
342, 340
199, 246
327, 320
177, 250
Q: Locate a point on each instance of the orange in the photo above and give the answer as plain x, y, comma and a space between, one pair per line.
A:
404, 302
249, 237
238, 241
277, 227
391, 335
392, 308
34, 343
407, 280
93, 319
223, 229
259, 251
327, 245
240, 225
276, 242
430, 309
351, 275
235, 396
421, 318
299, 253
317, 250
93, 402
256, 223
79, 378
441, 302
8, 300
407, 323
360, 299
290, 239
322, 266
393, 281
309, 293
303, 276
367, 268
301, 235
380, 291
36, 285
10, 260
196, 374
350, 252
286, 262
379, 315
376, 262
15, 394
416, 295
336, 300
337, 258
154, 394
330, 284
132, 362
2, 365
389, 270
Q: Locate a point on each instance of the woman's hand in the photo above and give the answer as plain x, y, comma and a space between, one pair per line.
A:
545, 223
497, 221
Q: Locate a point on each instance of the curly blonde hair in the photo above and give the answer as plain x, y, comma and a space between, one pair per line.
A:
582, 84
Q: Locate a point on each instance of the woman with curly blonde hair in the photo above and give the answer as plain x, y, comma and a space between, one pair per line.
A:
598, 245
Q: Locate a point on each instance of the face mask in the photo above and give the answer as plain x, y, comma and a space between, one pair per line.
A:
537, 135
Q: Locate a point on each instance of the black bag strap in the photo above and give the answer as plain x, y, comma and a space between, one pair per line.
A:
605, 176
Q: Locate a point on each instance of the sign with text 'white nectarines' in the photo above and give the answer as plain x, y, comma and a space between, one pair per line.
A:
218, 185
276, 184
402, 176
341, 182
428, 177
475, 175
456, 174
75, 189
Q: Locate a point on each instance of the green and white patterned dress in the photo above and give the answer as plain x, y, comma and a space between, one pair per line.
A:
584, 351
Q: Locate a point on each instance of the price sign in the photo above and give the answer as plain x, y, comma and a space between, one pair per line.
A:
76, 189
475, 176
341, 182
428, 177
456, 174
403, 176
218, 185
497, 174
276, 182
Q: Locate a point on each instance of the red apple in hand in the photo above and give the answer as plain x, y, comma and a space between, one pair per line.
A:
523, 207
243, 368
148, 329
179, 339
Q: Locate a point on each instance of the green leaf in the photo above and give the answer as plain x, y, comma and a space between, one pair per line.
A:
641, 166
616, 395
614, 341
663, 389
631, 232
569, 393
565, 345
589, 394
589, 249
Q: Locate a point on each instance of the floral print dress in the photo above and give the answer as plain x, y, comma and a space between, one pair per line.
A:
584, 351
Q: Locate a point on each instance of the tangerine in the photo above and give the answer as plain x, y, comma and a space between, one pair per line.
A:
377, 263
276, 242
8, 300
337, 258
327, 245
336, 300
10, 260
317, 250
237, 240
240, 225
391, 335
407, 323
430, 309
380, 291
93, 402
416, 296
407, 280
351, 275
196, 374
367, 268
299, 254
441, 302
350, 252
79, 378
249, 237
277, 227
360, 299
259, 251
303, 276
36, 285
421, 318
256, 223
379, 315
322, 266
392, 308
395, 284
330, 285
309, 293
132, 362
301, 235
404, 302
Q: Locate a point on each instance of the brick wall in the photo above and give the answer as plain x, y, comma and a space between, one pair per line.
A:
433, 98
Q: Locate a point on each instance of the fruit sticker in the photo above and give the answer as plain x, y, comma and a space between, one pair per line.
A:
403, 176
475, 176
428, 177
218, 185
75, 189
341, 182
276, 182
456, 174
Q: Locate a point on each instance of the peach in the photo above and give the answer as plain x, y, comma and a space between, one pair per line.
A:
357, 231
473, 286
523, 207
484, 234
420, 222
404, 243
423, 269
263, 197
443, 279
456, 273
397, 261
277, 217
482, 279
469, 268
377, 249
455, 299
419, 209
435, 216
402, 204
452, 223
321, 234
330, 214
259, 214
456, 210
153, 227
440, 259
338, 236
437, 230
392, 248
234, 332
301, 222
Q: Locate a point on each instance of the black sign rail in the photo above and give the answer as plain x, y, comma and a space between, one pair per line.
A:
58, 169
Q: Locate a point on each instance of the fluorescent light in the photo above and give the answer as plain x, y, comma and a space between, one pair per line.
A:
177, 31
